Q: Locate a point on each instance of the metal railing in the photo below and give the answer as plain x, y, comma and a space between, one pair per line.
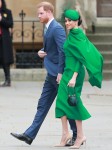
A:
27, 35
27, 40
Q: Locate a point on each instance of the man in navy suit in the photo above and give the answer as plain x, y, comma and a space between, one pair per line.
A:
54, 37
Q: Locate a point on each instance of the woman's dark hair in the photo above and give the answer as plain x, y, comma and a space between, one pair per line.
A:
79, 21
3, 5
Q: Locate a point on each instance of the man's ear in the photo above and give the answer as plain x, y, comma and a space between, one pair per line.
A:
49, 11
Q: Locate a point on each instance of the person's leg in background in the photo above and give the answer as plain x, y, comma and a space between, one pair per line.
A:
6, 68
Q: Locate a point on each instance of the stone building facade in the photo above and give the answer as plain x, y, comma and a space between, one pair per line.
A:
97, 12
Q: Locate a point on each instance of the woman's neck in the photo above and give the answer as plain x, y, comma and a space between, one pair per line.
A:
75, 27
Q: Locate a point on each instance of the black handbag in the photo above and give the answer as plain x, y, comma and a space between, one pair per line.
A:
72, 100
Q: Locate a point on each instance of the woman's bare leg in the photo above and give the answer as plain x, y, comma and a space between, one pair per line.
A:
80, 135
65, 133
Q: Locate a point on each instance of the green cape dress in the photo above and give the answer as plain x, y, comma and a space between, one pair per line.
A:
79, 52
81, 48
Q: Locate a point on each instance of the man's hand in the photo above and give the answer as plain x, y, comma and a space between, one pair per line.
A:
59, 76
42, 54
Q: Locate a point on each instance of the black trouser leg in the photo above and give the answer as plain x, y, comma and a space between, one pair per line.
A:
73, 128
6, 68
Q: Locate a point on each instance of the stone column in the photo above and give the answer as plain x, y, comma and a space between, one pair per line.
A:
90, 11
59, 8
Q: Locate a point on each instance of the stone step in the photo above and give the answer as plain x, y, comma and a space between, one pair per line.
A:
26, 74
100, 37
107, 74
102, 46
107, 55
101, 29
40, 74
107, 65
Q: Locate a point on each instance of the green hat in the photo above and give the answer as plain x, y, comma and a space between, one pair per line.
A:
72, 14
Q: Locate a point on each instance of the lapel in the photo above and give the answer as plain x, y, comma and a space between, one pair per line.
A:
48, 31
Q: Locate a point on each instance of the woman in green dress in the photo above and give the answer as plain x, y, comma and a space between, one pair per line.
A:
79, 53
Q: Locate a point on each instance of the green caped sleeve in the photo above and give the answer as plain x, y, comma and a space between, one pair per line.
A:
77, 66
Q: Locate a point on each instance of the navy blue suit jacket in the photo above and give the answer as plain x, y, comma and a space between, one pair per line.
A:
53, 46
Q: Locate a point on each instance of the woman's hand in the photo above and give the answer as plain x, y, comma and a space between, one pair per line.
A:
72, 82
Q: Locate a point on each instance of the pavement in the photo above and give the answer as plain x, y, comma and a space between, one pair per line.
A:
18, 106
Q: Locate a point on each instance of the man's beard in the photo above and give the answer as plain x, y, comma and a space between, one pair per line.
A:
46, 20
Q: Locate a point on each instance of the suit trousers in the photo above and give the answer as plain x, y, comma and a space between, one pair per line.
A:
48, 95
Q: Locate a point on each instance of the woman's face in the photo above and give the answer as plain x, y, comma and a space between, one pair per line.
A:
70, 24
0, 4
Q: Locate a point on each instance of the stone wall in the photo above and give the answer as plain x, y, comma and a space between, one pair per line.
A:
30, 10
29, 7
89, 7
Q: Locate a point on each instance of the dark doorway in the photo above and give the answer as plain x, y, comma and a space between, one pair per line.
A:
104, 8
